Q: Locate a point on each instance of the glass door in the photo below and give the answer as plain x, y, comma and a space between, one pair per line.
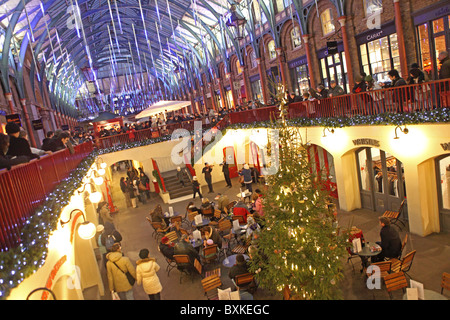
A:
443, 185
381, 180
334, 68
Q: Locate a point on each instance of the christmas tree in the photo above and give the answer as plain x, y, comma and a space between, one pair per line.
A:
300, 249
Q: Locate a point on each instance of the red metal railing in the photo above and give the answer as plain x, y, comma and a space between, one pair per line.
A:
404, 99
25, 186
155, 167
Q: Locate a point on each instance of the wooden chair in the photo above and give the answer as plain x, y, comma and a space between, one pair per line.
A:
384, 267
208, 212
172, 235
210, 285
158, 229
394, 216
217, 217
405, 240
171, 263
240, 248
190, 219
243, 281
184, 265
204, 273
210, 254
395, 281
240, 219
445, 283
404, 264
176, 219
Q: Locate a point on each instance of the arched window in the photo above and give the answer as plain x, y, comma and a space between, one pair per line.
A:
326, 19
253, 61
238, 67
271, 49
296, 37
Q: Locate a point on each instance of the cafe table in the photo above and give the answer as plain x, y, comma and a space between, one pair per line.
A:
231, 260
429, 295
366, 253
204, 222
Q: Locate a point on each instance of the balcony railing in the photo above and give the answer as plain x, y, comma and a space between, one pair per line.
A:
25, 186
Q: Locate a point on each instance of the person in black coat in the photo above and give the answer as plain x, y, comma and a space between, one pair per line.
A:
58, 142
6, 161
226, 172
167, 248
196, 187
184, 247
18, 146
390, 243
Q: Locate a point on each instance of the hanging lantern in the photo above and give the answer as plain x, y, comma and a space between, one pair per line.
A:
236, 21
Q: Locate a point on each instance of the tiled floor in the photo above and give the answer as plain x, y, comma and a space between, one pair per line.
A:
431, 260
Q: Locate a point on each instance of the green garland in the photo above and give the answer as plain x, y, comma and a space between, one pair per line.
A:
19, 263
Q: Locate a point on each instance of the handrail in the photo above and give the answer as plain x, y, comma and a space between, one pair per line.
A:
155, 167
25, 186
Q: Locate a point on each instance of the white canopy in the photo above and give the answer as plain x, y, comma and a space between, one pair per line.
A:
161, 106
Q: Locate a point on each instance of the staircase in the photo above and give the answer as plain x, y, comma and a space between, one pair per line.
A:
174, 187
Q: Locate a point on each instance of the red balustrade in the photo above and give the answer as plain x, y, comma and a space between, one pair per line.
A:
25, 187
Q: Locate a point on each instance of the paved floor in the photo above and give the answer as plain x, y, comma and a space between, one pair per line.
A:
431, 260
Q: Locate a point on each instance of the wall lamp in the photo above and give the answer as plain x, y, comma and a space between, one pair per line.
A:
86, 229
102, 165
327, 129
404, 130
94, 196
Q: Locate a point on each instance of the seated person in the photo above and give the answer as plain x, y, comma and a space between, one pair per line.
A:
191, 207
211, 233
167, 248
390, 243
239, 268
240, 209
252, 231
222, 202
184, 247
206, 205
157, 215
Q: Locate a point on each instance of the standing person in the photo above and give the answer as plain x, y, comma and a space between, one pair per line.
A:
226, 172
124, 188
180, 176
132, 193
6, 161
18, 146
117, 267
146, 269
103, 213
196, 187
247, 174
207, 172
145, 182
444, 71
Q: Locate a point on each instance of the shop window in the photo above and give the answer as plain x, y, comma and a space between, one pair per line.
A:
302, 79
326, 19
380, 56
296, 37
256, 90
372, 7
271, 49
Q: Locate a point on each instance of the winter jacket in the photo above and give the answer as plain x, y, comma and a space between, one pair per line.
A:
241, 210
336, 91
444, 72
117, 280
390, 242
6, 162
258, 207
20, 147
106, 215
146, 275
247, 174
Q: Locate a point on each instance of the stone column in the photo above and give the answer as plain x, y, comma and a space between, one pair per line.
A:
312, 80
23, 102
400, 39
348, 60
9, 98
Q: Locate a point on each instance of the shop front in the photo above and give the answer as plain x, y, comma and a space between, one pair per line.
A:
333, 67
255, 84
443, 182
298, 69
378, 51
433, 35
381, 180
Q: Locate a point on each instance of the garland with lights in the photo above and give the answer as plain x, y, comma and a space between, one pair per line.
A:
21, 262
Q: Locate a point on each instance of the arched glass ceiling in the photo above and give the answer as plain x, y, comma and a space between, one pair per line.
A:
129, 44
